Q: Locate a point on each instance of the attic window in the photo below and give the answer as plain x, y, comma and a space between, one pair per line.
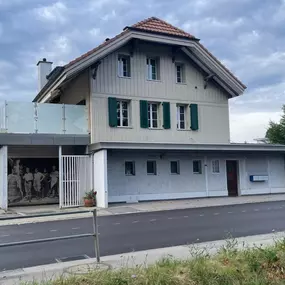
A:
180, 73
124, 66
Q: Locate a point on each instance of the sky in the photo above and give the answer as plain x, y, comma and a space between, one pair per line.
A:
248, 36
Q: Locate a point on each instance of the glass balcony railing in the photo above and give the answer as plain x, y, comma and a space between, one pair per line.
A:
43, 118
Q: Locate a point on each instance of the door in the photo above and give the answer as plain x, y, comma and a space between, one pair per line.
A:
232, 177
75, 179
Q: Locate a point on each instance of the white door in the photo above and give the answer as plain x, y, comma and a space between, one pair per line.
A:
75, 179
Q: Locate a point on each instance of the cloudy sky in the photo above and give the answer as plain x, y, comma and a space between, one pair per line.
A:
247, 35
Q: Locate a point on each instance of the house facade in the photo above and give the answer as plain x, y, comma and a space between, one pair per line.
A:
157, 117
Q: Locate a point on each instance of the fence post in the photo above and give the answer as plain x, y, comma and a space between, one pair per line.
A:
96, 235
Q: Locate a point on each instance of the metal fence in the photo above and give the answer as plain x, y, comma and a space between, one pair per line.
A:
95, 235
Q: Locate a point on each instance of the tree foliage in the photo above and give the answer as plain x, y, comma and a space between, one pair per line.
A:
275, 133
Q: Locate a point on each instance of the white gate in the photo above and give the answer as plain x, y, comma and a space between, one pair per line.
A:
75, 179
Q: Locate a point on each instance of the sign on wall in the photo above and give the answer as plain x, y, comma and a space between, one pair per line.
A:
33, 181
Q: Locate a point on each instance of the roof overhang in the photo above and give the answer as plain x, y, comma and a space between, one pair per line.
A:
192, 48
187, 147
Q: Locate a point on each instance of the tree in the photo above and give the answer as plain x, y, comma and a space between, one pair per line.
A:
276, 131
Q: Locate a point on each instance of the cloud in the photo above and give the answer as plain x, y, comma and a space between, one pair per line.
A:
248, 36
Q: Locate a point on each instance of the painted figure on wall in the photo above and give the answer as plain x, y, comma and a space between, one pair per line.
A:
54, 182
15, 193
38, 178
28, 178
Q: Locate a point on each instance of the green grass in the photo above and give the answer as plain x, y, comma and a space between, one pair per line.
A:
256, 266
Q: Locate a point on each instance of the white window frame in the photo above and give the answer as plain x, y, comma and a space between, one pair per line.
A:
134, 168
155, 167
149, 68
178, 116
121, 66
150, 112
178, 167
200, 163
216, 166
182, 73
121, 118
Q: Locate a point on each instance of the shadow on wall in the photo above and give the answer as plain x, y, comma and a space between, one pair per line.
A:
33, 181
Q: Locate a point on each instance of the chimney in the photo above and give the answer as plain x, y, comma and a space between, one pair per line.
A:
44, 69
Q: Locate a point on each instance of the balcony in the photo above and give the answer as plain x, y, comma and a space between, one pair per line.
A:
43, 118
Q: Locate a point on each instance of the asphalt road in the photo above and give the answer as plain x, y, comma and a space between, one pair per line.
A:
141, 231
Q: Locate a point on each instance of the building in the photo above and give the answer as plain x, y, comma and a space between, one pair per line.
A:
143, 116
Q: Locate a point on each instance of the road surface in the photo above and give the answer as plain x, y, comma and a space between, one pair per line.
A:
140, 231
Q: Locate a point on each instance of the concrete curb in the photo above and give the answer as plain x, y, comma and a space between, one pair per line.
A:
140, 258
166, 206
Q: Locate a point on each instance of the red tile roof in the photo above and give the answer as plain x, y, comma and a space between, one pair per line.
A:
156, 25
153, 25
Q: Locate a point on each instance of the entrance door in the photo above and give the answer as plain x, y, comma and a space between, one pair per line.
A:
232, 177
75, 179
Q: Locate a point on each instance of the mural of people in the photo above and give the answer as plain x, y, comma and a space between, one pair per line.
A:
33, 181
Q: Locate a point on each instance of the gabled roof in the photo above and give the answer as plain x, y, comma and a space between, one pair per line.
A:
151, 25
159, 26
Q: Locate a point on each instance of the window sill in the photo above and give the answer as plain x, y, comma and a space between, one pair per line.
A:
124, 127
183, 130
197, 173
154, 80
181, 83
125, 77
156, 129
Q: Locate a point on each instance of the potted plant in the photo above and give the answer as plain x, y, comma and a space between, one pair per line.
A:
90, 198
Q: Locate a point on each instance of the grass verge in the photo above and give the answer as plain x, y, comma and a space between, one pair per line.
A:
255, 266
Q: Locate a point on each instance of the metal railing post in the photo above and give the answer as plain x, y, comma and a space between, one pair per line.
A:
96, 235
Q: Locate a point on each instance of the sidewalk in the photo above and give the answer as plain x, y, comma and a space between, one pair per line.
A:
119, 209
143, 258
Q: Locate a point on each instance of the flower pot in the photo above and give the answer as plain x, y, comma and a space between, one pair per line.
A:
88, 202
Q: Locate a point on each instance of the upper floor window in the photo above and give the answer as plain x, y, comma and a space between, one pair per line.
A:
181, 117
152, 65
124, 66
152, 112
123, 107
174, 167
180, 74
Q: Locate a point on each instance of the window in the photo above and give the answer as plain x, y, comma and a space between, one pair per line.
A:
152, 68
197, 167
152, 115
180, 78
123, 113
151, 167
124, 66
181, 117
174, 167
216, 166
130, 168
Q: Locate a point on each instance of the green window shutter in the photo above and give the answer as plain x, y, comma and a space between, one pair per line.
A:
112, 106
143, 114
166, 115
194, 117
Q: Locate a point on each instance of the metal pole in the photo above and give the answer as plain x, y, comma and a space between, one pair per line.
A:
96, 235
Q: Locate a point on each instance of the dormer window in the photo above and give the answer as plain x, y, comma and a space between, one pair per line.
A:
124, 66
152, 68
180, 73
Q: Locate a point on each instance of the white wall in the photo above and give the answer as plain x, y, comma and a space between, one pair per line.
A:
212, 102
3, 178
100, 178
163, 185
140, 187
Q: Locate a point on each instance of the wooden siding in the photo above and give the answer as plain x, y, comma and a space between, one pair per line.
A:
212, 101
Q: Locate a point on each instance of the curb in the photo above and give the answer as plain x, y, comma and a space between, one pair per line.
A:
133, 259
